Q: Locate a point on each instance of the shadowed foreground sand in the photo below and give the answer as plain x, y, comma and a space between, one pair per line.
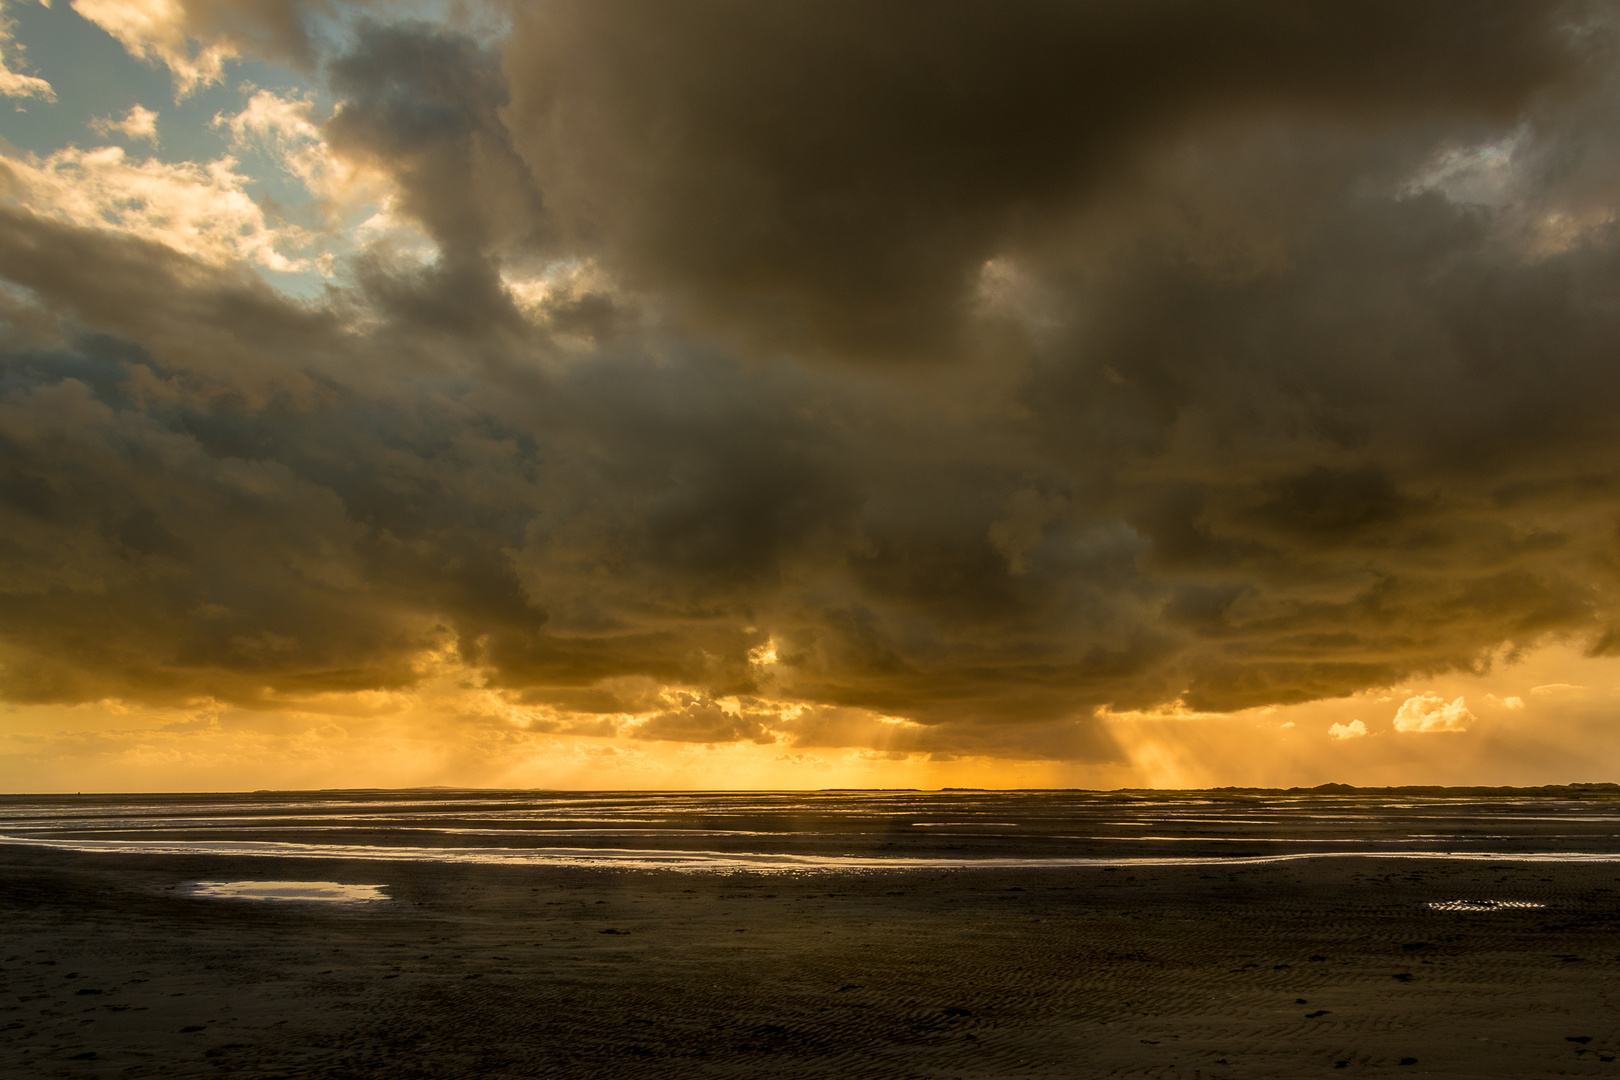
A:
1326, 967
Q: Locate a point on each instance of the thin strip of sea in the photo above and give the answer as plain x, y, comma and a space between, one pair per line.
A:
826, 830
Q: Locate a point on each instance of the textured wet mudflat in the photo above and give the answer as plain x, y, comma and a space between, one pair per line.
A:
1023, 960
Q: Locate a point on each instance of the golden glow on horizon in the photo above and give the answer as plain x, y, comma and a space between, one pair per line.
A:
1530, 720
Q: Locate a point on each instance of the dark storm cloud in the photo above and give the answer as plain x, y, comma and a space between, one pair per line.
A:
835, 173
425, 106
1259, 353
1348, 420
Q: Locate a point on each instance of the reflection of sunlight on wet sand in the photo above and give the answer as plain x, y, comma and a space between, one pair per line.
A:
331, 892
724, 861
1482, 905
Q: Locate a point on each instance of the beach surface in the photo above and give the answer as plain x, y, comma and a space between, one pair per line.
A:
915, 948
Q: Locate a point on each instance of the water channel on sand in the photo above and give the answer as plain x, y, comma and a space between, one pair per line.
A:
834, 830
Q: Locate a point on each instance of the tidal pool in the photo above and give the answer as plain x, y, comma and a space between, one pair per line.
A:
330, 892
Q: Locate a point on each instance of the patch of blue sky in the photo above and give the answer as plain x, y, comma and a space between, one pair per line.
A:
308, 285
94, 78
90, 72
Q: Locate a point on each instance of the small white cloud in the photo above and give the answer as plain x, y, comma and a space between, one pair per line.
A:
1506, 702
1355, 729
1554, 687
1427, 713
272, 119
140, 123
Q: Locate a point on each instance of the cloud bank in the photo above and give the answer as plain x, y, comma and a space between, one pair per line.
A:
921, 377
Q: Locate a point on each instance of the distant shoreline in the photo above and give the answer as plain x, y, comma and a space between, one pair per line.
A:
1414, 790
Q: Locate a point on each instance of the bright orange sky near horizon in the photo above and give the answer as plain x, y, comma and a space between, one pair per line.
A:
801, 395
1520, 725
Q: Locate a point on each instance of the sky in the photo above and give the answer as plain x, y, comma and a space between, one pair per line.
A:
806, 394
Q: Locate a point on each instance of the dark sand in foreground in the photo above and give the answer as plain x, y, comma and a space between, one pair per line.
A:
1333, 967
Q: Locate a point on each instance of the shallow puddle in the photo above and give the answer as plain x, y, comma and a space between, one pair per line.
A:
331, 892
1483, 905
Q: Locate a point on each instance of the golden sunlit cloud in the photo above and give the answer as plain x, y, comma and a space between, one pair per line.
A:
1427, 713
160, 31
197, 210
16, 84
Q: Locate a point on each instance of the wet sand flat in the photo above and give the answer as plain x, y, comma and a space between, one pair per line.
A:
1332, 966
